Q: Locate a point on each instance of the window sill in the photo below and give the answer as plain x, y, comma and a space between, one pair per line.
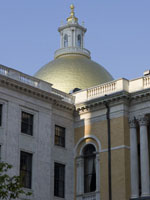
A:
59, 198
27, 135
88, 196
26, 190
141, 198
60, 147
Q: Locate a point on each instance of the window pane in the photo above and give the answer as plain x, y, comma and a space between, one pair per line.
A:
27, 123
0, 154
0, 114
66, 40
79, 41
89, 168
26, 169
59, 136
59, 180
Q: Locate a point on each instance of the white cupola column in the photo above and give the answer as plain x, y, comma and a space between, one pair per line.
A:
134, 169
144, 154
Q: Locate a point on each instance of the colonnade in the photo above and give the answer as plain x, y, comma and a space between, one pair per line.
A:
142, 122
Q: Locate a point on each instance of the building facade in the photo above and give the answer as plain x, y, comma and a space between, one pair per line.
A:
57, 142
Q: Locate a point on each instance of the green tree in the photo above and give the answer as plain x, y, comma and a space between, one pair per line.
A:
10, 186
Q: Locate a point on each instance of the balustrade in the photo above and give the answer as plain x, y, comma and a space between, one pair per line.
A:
146, 81
3, 70
102, 89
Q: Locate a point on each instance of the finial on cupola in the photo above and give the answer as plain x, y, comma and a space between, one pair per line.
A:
72, 17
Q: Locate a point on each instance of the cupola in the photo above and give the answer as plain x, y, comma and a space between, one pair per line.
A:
72, 68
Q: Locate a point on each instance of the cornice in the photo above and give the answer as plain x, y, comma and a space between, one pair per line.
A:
113, 99
140, 96
18, 86
99, 103
71, 26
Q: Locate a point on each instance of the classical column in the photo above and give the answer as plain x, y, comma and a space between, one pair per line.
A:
97, 176
80, 175
144, 154
134, 159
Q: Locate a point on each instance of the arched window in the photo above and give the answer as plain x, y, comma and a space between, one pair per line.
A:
66, 40
79, 41
89, 154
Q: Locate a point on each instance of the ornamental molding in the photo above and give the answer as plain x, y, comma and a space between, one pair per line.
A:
99, 103
132, 122
117, 98
140, 96
84, 138
143, 120
72, 26
116, 148
54, 99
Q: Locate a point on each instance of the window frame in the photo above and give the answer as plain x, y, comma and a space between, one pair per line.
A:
89, 155
79, 40
1, 114
59, 180
27, 172
0, 152
30, 124
60, 136
65, 40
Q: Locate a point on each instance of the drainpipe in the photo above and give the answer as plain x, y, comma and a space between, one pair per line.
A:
109, 149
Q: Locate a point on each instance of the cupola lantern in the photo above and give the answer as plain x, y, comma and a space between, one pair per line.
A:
72, 37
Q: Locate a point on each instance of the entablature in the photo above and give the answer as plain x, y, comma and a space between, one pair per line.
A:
55, 97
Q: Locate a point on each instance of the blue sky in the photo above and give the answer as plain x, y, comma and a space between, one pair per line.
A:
118, 33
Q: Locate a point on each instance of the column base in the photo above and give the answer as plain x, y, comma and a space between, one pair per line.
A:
141, 198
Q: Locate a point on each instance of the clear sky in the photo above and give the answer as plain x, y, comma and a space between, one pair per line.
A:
118, 33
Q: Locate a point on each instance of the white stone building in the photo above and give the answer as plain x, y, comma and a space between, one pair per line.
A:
57, 141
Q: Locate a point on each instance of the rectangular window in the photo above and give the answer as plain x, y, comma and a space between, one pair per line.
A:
59, 180
27, 123
59, 136
0, 153
26, 169
0, 114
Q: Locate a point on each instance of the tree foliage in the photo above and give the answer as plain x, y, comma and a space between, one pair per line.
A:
10, 186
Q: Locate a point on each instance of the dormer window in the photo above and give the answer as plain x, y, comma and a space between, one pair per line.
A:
66, 40
79, 41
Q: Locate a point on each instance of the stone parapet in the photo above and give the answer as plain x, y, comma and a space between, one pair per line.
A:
34, 82
109, 88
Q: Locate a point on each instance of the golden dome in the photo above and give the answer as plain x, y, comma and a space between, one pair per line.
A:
72, 67
73, 71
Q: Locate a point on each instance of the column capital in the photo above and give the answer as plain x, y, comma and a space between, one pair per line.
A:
97, 156
79, 161
143, 120
132, 122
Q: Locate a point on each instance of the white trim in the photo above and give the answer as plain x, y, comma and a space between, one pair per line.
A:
118, 147
85, 137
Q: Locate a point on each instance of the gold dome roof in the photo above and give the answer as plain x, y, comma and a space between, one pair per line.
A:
73, 71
